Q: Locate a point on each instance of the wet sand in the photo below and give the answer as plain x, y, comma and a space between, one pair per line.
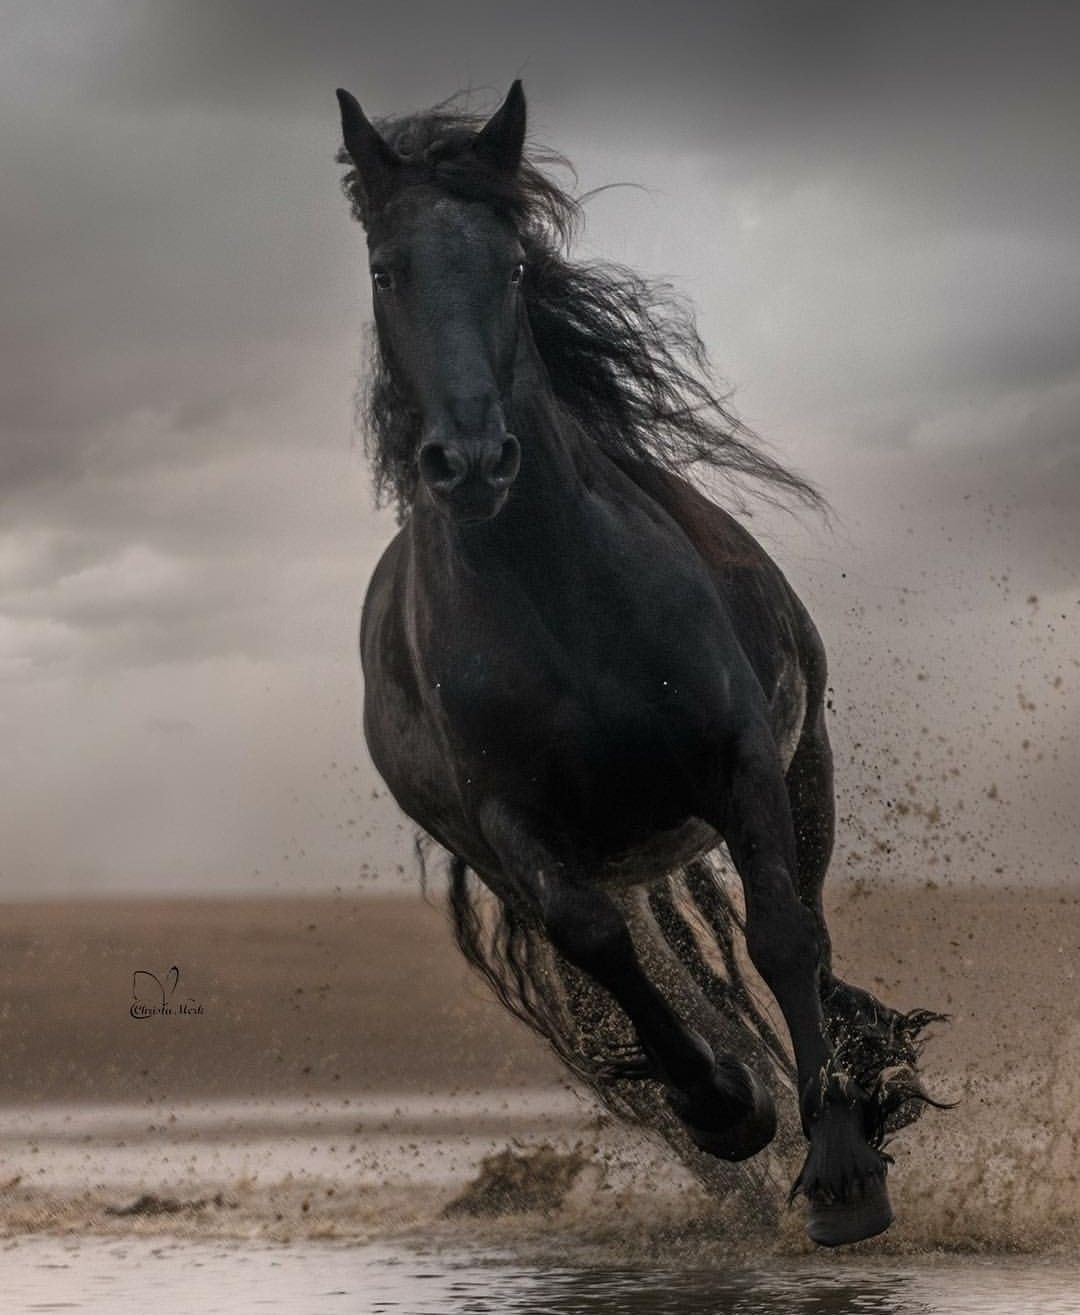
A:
347, 1076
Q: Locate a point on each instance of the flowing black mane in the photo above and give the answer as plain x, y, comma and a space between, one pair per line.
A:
623, 352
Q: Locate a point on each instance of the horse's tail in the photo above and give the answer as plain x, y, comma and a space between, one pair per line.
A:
684, 930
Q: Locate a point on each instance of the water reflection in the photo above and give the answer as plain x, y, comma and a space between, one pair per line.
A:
111, 1276
652, 1292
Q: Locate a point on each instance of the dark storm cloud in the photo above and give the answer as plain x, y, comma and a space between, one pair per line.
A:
146, 279
981, 98
947, 133
171, 382
172, 207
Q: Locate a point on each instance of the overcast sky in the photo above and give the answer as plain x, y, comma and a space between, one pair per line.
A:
875, 207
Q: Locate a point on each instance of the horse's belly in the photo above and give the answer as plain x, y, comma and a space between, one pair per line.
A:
661, 852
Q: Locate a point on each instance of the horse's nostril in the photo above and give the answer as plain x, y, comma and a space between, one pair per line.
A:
502, 466
442, 467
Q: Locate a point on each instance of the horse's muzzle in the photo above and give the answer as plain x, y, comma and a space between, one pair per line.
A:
470, 479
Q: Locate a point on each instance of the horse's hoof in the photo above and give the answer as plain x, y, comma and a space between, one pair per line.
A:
717, 1124
832, 1223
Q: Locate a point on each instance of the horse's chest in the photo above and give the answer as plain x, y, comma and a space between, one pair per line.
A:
568, 726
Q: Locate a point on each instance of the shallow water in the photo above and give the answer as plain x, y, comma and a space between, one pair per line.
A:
99, 1276
406, 1138
339, 1205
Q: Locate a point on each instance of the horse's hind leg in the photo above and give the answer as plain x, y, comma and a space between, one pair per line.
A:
727, 1110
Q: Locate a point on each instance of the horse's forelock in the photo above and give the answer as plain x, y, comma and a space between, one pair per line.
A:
437, 149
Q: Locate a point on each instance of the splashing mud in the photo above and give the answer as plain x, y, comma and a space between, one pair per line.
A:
513, 1181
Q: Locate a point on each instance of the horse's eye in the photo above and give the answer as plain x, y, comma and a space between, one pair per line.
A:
382, 280
517, 273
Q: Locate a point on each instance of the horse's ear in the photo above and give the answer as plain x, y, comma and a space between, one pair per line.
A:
501, 139
377, 163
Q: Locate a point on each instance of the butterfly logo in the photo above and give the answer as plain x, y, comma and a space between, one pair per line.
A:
149, 995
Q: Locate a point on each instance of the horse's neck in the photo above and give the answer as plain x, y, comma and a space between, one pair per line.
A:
548, 496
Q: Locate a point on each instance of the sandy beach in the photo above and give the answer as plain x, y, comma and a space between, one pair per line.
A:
340, 1052
316, 997
299, 996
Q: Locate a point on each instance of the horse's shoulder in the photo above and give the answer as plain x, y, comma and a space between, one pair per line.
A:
384, 646
384, 578
758, 595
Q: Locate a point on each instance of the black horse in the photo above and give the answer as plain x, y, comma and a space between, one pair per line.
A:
581, 674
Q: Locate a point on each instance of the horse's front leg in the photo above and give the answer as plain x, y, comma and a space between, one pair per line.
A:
727, 1110
843, 1177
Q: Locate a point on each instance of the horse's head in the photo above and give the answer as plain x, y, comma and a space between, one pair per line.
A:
446, 271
